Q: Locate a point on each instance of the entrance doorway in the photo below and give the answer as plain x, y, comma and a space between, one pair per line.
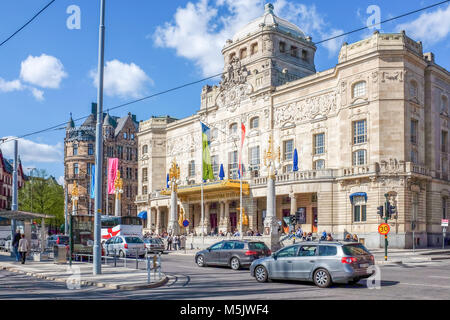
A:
233, 220
213, 221
314, 227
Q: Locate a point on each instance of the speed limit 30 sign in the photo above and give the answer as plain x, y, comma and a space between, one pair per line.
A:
384, 228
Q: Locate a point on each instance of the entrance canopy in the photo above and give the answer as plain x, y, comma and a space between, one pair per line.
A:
22, 216
211, 189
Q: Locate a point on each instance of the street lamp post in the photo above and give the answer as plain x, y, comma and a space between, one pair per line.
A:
272, 163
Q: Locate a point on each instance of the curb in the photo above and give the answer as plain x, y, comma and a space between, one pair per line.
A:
90, 283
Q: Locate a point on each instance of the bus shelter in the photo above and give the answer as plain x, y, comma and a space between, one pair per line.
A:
24, 222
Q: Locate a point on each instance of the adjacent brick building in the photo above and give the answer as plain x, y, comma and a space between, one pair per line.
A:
6, 181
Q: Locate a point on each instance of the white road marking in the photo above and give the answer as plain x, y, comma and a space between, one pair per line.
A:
424, 285
439, 277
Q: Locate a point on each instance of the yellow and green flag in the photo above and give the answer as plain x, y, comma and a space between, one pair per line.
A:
207, 173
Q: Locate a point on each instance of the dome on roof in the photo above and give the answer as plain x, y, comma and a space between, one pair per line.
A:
269, 19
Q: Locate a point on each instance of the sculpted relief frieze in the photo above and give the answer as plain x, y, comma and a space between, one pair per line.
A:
182, 144
234, 87
307, 109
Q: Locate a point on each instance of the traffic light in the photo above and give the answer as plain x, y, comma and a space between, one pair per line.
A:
380, 211
388, 210
392, 211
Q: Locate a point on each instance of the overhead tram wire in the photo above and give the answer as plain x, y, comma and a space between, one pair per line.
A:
27, 23
58, 127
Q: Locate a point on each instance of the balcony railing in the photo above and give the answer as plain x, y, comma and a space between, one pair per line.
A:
76, 176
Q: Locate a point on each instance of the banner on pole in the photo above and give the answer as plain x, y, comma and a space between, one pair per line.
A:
113, 166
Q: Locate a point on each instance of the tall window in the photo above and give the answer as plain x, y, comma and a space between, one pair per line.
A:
214, 133
288, 150
233, 165
414, 156
254, 158
75, 168
359, 131
319, 143
144, 149
319, 164
294, 52
282, 47
444, 104
414, 126
90, 149
304, 55
444, 141
144, 174
413, 89
444, 208
144, 190
243, 53
215, 165
359, 209
254, 48
254, 123
359, 89
360, 158
192, 168
75, 149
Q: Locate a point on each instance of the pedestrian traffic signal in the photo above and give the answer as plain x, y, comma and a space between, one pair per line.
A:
380, 211
392, 211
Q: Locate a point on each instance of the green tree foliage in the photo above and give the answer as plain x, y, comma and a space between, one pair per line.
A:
43, 194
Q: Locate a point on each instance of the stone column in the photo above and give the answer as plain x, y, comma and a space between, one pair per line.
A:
149, 218
293, 203
221, 215
173, 227
271, 223
118, 207
226, 224
207, 222
158, 220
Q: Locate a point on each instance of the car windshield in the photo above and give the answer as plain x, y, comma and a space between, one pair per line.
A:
257, 246
133, 240
355, 250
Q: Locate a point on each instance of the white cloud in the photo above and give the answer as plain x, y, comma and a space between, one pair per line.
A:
430, 27
30, 151
60, 180
199, 30
38, 94
44, 71
123, 80
8, 86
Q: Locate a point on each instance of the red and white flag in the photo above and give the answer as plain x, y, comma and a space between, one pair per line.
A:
113, 166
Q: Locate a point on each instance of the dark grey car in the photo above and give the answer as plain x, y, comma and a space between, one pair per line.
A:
232, 253
323, 263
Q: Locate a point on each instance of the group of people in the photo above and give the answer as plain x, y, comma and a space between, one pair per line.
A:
20, 247
177, 241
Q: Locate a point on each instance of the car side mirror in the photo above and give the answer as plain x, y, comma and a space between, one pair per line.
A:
209, 249
274, 255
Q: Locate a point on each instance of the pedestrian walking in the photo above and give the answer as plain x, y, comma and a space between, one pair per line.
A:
15, 245
324, 235
329, 237
177, 242
355, 238
348, 238
23, 248
169, 242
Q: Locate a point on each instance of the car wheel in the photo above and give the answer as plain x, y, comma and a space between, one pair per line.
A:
261, 274
235, 263
200, 261
354, 281
322, 278
121, 254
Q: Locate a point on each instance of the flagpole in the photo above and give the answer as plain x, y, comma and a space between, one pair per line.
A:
202, 207
240, 180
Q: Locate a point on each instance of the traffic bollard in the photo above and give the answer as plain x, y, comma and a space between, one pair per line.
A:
148, 270
159, 266
137, 261
115, 259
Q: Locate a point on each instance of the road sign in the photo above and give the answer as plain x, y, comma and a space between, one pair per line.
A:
384, 228
444, 223
185, 223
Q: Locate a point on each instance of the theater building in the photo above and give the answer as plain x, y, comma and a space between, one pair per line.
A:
377, 123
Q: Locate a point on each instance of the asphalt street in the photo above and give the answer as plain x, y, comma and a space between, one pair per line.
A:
420, 280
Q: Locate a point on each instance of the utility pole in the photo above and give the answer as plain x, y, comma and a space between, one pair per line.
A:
97, 266
14, 205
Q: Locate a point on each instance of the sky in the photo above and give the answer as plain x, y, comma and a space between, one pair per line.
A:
48, 70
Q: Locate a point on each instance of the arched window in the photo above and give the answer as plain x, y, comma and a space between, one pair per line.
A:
243, 53
233, 128
232, 56
359, 89
254, 123
144, 149
254, 48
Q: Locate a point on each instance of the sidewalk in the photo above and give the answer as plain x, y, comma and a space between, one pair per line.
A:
111, 277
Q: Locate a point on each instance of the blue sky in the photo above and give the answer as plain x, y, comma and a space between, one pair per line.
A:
47, 70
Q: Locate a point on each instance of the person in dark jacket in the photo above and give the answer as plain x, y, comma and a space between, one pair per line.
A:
15, 245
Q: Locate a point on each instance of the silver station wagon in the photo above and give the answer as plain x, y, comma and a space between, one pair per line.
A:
321, 262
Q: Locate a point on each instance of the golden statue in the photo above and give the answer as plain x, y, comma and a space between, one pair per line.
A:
75, 191
181, 218
118, 184
270, 156
244, 218
174, 171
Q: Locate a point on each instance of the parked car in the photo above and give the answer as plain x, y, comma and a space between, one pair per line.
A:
154, 245
125, 246
323, 263
57, 239
232, 253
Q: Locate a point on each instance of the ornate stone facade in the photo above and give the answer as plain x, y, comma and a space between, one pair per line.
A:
376, 123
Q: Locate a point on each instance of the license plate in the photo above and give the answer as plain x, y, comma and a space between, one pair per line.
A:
364, 265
